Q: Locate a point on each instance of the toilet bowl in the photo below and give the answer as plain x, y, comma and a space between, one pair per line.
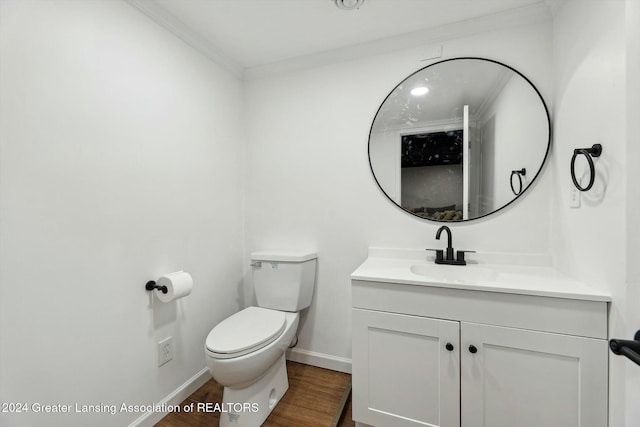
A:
245, 353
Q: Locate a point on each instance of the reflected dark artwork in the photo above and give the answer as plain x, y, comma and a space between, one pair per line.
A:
432, 149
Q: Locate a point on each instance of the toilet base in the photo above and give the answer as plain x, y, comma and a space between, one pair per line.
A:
257, 400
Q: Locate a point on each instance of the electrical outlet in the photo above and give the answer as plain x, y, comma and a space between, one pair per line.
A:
165, 351
574, 196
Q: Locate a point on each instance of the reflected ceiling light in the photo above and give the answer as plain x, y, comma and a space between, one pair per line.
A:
419, 90
349, 4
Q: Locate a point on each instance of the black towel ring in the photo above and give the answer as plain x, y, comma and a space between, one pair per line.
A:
588, 153
519, 173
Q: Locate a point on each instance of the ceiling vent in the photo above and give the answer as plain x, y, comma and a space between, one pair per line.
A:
349, 4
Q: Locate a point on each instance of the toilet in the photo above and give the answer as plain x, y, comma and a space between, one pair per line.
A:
246, 352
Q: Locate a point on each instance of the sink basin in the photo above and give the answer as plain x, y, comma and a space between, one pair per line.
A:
454, 273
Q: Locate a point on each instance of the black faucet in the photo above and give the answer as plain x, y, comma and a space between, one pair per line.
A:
441, 258
449, 256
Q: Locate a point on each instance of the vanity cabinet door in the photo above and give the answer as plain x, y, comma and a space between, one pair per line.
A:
520, 378
406, 370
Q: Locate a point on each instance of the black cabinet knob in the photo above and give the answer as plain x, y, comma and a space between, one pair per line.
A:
473, 349
449, 346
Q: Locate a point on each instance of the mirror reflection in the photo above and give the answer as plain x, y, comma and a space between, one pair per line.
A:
459, 139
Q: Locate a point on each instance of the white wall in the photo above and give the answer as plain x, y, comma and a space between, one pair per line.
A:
119, 154
632, 297
309, 183
591, 97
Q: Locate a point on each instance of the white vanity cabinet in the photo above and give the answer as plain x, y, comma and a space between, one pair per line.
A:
529, 378
449, 357
402, 372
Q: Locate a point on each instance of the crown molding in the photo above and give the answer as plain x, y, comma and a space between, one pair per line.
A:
187, 35
515, 17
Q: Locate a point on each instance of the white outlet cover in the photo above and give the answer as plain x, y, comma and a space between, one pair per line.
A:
574, 196
165, 351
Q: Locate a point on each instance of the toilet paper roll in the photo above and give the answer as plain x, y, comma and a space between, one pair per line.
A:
179, 284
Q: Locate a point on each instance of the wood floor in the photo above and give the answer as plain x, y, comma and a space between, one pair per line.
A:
313, 399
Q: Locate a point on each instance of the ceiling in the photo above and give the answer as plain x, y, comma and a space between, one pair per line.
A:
253, 33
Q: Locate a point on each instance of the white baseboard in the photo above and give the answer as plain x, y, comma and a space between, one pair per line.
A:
321, 360
175, 398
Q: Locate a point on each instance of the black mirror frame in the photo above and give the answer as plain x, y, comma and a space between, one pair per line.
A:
544, 160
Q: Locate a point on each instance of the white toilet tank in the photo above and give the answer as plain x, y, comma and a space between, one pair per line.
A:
284, 280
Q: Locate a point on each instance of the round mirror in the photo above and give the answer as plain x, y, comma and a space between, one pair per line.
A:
459, 139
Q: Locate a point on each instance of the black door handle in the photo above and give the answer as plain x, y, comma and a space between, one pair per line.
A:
628, 348
473, 349
449, 346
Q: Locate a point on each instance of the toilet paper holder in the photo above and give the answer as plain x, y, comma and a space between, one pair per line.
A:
151, 285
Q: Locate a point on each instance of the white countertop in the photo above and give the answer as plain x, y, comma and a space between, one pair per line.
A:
487, 272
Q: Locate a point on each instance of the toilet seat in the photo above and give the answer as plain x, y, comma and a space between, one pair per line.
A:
245, 332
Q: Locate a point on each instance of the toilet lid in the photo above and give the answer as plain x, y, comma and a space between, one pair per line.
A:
246, 331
